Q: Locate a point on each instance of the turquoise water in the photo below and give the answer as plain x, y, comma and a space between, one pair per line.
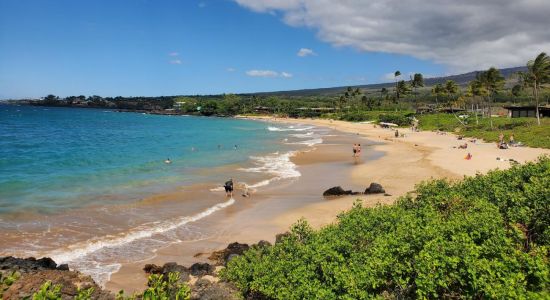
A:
90, 187
60, 158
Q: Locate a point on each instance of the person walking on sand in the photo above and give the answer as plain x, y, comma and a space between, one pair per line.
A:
229, 188
358, 150
354, 150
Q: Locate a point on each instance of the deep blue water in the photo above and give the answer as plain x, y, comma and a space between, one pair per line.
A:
58, 158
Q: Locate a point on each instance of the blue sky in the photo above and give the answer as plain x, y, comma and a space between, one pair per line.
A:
149, 48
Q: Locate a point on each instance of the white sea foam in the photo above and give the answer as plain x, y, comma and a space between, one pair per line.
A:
290, 128
79, 250
303, 135
310, 143
274, 164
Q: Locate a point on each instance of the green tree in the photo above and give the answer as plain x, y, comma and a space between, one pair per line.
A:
417, 81
396, 75
539, 74
451, 89
493, 82
437, 91
401, 90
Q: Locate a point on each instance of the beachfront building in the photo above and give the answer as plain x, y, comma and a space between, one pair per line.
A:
527, 111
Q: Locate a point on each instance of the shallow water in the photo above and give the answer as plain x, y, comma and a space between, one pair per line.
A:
90, 187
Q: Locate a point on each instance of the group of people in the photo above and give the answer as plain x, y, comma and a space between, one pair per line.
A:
503, 145
356, 150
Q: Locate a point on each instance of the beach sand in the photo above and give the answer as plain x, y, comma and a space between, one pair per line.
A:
396, 163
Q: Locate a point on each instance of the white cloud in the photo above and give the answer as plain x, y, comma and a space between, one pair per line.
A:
262, 73
303, 52
173, 54
202, 4
267, 73
286, 75
230, 70
463, 35
175, 62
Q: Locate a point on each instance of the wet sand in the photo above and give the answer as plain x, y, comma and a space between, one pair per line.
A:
396, 163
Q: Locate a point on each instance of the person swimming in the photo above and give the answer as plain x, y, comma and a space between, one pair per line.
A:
168, 161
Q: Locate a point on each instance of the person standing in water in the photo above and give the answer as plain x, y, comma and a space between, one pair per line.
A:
229, 188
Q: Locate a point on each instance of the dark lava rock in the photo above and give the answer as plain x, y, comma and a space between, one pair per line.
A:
281, 236
206, 290
262, 244
220, 257
336, 191
167, 268
201, 269
152, 269
375, 188
70, 281
24, 265
63, 267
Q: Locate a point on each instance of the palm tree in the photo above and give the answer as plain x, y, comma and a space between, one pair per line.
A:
417, 81
395, 75
539, 74
437, 90
492, 81
451, 88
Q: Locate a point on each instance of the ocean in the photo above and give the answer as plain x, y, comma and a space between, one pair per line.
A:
91, 188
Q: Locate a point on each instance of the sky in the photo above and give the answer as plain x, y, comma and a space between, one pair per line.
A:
188, 47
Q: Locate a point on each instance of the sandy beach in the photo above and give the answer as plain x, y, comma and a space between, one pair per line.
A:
396, 163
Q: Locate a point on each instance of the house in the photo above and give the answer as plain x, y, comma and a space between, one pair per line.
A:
527, 111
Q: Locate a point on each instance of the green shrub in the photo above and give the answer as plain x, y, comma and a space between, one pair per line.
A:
484, 237
48, 292
7, 281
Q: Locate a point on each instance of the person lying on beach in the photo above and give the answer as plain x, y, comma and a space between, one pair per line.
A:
464, 146
502, 145
468, 156
228, 186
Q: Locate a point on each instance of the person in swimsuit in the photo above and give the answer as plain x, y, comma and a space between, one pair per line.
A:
229, 188
354, 150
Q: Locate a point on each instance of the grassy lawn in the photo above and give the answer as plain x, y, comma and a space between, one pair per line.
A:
525, 130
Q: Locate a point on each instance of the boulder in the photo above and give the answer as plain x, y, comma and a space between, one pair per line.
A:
220, 257
204, 289
281, 236
262, 244
70, 281
336, 191
375, 188
24, 265
152, 269
201, 269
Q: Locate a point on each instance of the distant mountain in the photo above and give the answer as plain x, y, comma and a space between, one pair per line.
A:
460, 79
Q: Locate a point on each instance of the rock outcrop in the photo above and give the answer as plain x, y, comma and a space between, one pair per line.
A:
336, 191
375, 188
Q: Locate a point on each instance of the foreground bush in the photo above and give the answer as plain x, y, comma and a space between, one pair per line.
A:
485, 237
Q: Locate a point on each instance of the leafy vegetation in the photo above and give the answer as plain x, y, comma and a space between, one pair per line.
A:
7, 281
484, 237
162, 288
525, 130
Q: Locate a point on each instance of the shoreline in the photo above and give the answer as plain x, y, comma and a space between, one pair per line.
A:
405, 162
396, 163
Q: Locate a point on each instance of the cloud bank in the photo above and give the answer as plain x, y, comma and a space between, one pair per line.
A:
463, 35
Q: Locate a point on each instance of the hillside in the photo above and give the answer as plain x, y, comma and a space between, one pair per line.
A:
460, 79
